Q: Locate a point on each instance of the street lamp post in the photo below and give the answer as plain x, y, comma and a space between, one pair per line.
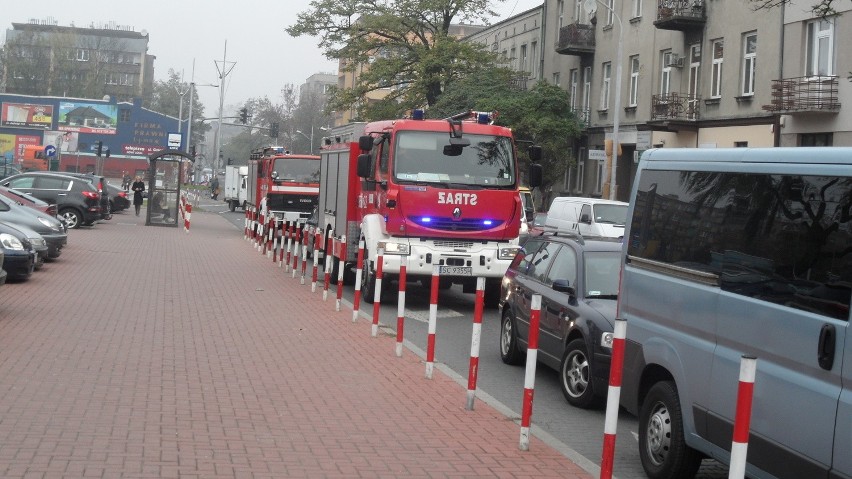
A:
311, 139
192, 86
590, 6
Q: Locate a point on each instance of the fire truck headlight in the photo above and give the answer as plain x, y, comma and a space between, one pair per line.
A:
394, 248
508, 252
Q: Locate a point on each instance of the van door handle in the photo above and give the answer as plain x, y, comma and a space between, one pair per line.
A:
62, 194
825, 350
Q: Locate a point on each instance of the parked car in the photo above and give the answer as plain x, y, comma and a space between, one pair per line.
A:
50, 229
37, 244
28, 200
118, 200
8, 170
3, 273
578, 283
99, 182
77, 200
18, 254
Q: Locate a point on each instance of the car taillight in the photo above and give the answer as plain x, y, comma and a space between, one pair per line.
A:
91, 194
122, 194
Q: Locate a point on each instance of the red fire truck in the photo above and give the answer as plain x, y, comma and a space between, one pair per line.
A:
432, 192
283, 184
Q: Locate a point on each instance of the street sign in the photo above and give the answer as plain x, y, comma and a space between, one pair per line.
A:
598, 155
49, 151
174, 141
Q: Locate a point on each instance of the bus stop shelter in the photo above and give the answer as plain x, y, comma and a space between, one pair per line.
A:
165, 178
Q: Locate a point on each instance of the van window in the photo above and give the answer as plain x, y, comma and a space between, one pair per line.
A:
522, 259
50, 183
587, 211
778, 238
564, 267
541, 261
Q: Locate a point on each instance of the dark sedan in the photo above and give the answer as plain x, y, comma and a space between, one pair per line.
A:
18, 254
578, 283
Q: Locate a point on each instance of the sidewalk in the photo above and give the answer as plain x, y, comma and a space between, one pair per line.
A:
150, 352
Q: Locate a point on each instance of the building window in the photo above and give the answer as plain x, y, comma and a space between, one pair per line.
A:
637, 8
523, 65
556, 79
124, 115
560, 11
606, 75
749, 62
82, 55
578, 11
533, 59
718, 47
587, 90
633, 99
816, 139
513, 57
600, 174
609, 11
820, 49
740, 144
572, 88
666, 73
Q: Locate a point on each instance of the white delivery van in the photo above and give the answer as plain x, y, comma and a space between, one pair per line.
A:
235, 186
588, 216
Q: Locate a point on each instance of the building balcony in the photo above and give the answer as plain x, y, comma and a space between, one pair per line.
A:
681, 15
814, 94
583, 116
675, 106
576, 39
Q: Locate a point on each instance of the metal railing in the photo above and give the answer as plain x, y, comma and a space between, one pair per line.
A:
675, 106
684, 9
576, 38
804, 94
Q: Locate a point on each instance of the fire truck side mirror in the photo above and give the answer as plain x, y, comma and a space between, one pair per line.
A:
535, 153
535, 175
365, 165
365, 143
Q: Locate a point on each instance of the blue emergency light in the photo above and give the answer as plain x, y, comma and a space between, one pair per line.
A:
418, 114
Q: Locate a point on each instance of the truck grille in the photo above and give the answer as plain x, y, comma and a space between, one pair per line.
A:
453, 244
450, 224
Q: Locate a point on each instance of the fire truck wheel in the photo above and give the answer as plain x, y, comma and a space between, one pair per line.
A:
368, 283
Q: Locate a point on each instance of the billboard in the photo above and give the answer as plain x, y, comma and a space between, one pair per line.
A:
12, 146
26, 115
84, 117
64, 141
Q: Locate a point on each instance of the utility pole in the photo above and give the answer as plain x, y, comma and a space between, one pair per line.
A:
223, 72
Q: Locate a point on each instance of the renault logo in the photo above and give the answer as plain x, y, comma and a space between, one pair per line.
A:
457, 213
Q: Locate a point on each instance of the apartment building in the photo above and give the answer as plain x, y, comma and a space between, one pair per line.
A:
518, 40
45, 59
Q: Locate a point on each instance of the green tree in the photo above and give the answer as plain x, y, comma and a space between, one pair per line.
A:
404, 47
540, 116
166, 98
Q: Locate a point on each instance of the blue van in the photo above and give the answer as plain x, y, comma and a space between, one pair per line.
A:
730, 252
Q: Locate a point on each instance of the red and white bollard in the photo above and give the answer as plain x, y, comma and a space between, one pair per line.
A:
359, 267
613, 396
329, 249
187, 217
315, 269
285, 263
400, 305
341, 261
433, 321
245, 223
377, 292
307, 231
529, 377
473, 370
284, 233
296, 237
742, 420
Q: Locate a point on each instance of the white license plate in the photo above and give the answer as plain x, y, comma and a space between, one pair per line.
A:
456, 271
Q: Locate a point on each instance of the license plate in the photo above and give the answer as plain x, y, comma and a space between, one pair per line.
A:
455, 271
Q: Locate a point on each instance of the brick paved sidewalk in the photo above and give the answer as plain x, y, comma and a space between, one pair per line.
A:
149, 352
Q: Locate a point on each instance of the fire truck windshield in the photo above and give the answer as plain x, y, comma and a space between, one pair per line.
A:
421, 157
296, 170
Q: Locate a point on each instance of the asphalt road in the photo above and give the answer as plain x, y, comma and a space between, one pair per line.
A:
576, 432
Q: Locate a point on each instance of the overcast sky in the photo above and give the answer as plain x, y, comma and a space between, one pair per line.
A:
185, 30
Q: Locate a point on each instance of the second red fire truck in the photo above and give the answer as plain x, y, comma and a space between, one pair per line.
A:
428, 193
282, 184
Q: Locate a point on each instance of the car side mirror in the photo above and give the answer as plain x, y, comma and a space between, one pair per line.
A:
563, 286
365, 165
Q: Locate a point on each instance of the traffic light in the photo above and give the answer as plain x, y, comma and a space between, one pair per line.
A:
107, 152
100, 148
230, 161
243, 115
273, 132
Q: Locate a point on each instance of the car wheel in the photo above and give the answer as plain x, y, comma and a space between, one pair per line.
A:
662, 447
232, 205
73, 218
575, 372
368, 282
509, 351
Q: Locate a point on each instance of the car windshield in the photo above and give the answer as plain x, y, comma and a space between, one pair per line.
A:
602, 273
297, 170
611, 214
428, 157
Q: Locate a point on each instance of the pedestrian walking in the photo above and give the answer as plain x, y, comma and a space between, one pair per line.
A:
138, 188
214, 188
125, 181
